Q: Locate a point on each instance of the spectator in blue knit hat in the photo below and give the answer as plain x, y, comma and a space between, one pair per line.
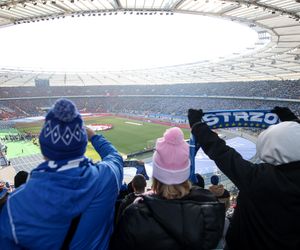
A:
67, 201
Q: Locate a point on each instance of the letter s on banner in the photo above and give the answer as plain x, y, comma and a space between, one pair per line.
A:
210, 119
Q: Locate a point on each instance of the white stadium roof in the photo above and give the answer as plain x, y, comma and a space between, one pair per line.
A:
275, 56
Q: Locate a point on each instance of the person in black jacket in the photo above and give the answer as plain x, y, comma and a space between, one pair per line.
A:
268, 207
138, 184
174, 216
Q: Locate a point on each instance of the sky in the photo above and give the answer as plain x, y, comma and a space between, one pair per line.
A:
121, 42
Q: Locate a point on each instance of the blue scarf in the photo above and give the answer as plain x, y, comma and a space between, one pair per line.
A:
61, 165
232, 118
240, 118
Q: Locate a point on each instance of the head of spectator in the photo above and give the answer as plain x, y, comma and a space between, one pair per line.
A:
139, 183
200, 181
63, 135
279, 144
171, 165
20, 178
214, 180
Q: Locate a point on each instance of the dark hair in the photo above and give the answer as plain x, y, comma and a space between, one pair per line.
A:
200, 181
139, 183
20, 178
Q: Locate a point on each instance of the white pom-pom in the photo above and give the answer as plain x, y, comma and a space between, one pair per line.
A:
65, 110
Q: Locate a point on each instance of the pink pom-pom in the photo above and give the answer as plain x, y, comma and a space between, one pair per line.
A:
174, 136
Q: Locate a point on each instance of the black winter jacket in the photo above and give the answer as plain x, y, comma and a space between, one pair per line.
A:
193, 222
268, 208
129, 199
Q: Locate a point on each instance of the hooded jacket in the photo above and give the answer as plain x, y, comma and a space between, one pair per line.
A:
38, 214
279, 144
194, 222
268, 207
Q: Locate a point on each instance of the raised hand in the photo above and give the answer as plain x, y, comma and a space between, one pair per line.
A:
194, 115
284, 113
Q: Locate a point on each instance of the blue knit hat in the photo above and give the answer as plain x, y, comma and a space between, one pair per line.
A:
214, 180
63, 135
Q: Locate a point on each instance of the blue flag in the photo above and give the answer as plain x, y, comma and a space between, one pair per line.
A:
139, 165
232, 118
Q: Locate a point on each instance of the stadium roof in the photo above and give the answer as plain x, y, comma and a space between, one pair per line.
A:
276, 56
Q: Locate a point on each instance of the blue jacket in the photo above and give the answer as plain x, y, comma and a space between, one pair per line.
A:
38, 214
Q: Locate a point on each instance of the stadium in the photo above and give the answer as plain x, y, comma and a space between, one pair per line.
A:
131, 103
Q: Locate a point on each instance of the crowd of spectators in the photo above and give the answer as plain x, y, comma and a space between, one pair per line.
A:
157, 99
69, 201
18, 137
140, 105
280, 89
6, 113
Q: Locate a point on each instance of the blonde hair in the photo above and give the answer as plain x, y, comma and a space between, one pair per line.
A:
175, 191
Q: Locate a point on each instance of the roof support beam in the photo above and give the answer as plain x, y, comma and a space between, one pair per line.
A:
228, 10
60, 7
6, 17
177, 4
118, 4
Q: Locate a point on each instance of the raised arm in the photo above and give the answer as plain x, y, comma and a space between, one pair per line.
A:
108, 153
241, 172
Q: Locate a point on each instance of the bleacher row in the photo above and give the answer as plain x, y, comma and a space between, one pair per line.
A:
280, 89
142, 105
26, 163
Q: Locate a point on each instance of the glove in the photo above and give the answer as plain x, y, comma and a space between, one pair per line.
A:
284, 114
194, 116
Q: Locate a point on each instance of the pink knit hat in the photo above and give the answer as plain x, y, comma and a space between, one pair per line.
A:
171, 163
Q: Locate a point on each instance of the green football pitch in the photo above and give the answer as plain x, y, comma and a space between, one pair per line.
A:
20, 148
127, 136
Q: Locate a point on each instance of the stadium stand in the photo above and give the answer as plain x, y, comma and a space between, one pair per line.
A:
157, 99
26, 163
279, 89
274, 56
